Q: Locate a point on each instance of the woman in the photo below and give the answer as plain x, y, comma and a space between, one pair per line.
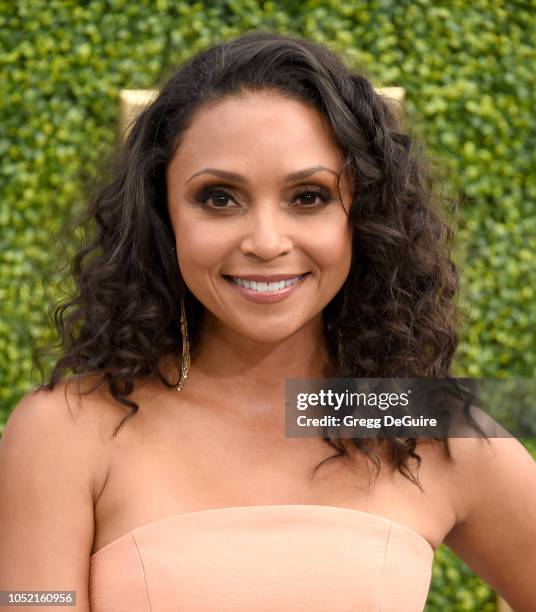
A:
268, 219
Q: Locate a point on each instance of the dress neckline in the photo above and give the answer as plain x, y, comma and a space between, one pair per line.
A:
270, 507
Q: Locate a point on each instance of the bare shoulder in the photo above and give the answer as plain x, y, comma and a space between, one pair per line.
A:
53, 464
494, 491
76, 422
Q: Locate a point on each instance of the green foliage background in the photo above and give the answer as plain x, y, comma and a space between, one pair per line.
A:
468, 72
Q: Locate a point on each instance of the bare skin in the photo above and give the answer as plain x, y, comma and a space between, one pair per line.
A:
226, 461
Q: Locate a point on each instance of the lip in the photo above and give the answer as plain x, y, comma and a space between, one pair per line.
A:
266, 298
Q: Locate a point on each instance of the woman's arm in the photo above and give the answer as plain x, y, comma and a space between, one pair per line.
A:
496, 533
47, 478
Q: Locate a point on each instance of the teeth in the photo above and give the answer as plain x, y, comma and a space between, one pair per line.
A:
265, 287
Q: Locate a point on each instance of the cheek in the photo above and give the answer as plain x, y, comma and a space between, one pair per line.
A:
200, 246
332, 247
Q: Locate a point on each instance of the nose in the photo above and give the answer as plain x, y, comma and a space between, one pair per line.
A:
266, 235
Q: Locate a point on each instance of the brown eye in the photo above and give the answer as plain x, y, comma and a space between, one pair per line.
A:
314, 197
214, 198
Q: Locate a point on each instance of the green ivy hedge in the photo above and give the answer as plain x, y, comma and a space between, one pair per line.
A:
468, 72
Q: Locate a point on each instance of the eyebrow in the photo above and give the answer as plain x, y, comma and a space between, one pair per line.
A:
238, 178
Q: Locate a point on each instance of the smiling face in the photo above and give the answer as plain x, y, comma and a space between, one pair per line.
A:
252, 192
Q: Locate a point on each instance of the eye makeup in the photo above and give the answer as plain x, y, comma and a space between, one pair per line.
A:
312, 197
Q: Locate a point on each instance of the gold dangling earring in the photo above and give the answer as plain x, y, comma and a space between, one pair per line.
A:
185, 365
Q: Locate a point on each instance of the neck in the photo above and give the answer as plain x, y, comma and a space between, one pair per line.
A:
248, 376
246, 365
243, 380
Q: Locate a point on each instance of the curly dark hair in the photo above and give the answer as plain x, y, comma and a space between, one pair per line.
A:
395, 315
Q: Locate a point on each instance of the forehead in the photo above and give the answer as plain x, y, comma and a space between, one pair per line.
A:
262, 128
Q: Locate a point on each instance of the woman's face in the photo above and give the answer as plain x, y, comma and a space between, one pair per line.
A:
252, 193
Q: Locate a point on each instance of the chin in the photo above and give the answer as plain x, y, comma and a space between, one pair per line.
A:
265, 332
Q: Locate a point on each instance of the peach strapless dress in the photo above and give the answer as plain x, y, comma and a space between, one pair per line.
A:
276, 558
